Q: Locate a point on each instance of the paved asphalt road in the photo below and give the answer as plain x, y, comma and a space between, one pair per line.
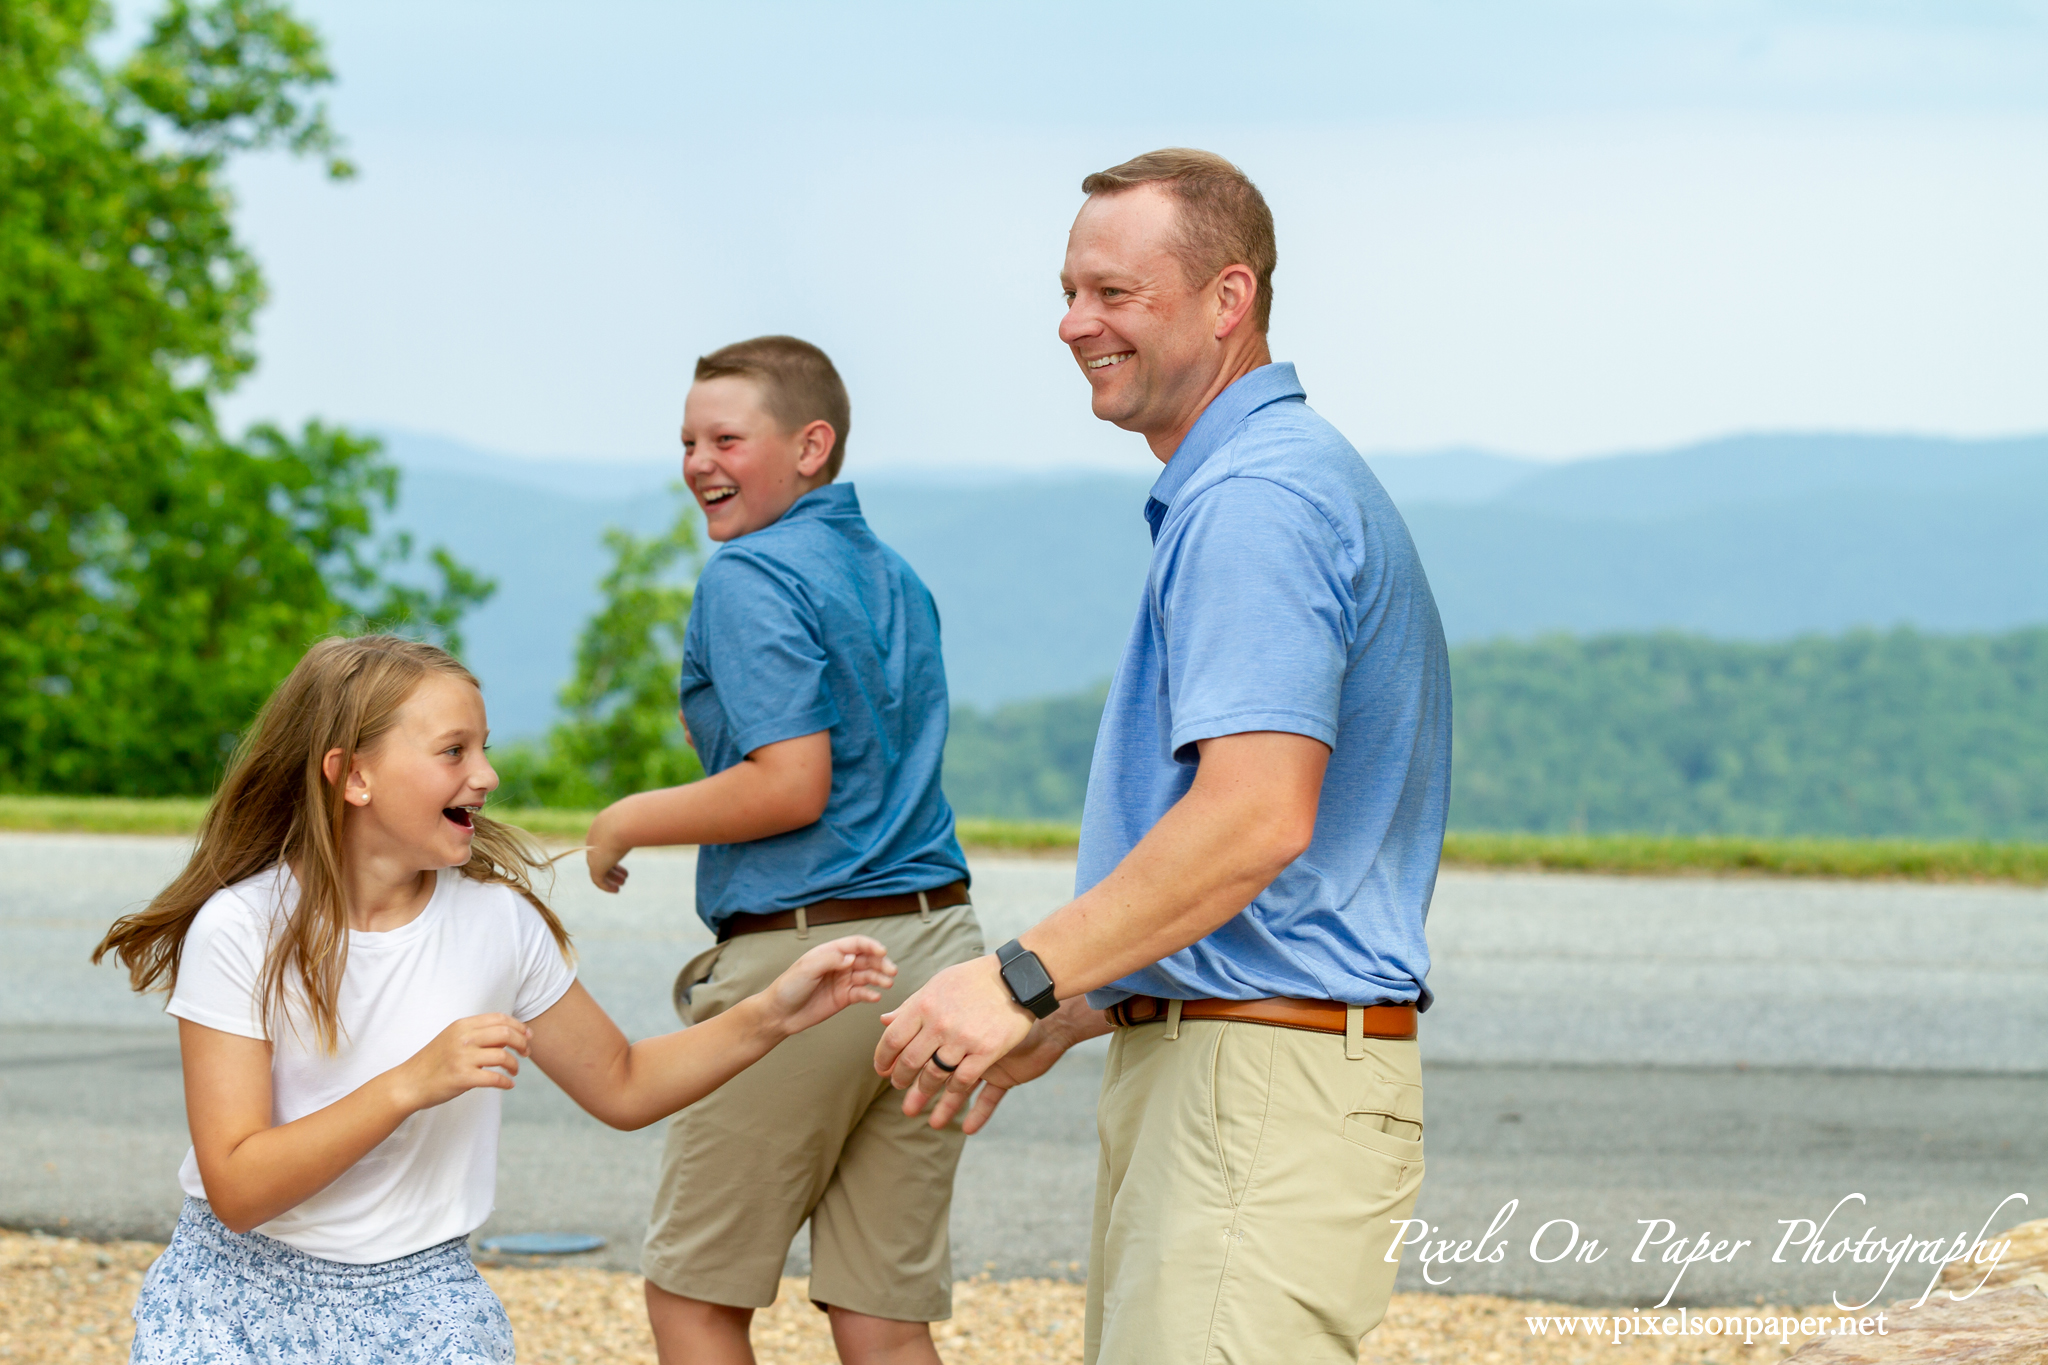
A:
1725, 1054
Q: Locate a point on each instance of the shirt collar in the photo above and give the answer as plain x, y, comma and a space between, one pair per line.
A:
1267, 384
833, 500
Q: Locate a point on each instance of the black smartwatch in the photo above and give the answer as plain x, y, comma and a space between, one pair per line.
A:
1026, 977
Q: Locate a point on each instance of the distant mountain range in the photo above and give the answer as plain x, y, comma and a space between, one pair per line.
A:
1037, 576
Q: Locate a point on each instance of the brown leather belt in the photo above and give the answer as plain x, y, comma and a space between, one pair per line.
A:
1317, 1016
845, 911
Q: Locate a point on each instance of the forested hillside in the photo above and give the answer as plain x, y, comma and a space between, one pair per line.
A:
1867, 733
1037, 577
1024, 761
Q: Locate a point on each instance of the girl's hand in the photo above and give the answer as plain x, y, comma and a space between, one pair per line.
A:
826, 980
462, 1058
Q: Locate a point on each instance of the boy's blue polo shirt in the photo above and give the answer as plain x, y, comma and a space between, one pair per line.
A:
1284, 594
813, 624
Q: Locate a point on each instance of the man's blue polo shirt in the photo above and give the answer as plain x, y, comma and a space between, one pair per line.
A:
813, 624
1284, 594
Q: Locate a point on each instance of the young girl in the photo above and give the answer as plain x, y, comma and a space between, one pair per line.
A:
358, 963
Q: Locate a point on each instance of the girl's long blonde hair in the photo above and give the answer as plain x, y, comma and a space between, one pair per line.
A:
277, 805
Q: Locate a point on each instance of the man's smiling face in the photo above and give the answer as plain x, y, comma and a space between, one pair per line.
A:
1136, 326
744, 469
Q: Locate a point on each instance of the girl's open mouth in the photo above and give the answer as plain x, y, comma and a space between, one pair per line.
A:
460, 815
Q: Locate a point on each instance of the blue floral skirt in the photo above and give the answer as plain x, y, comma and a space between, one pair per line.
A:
240, 1298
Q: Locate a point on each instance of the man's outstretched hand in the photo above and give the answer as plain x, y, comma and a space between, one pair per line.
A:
942, 1019
1030, 1059
964, 1017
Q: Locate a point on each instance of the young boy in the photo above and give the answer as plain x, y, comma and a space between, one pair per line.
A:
814, 694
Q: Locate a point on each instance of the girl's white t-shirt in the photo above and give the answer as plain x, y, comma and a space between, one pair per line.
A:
475, 949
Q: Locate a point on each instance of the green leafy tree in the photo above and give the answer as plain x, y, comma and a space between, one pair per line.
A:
1861, 734
1027, 760
157, 577
619, 733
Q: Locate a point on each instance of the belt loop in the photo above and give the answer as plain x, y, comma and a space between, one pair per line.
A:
803, 923
1172, 1020
924, 907
1354, 1033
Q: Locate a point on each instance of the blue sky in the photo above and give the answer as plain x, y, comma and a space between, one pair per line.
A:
1545, 227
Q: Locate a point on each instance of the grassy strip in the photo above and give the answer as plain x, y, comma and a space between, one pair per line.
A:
1638, 854
181, 815
1007, 836
1678, 854
1018, 836
102, 814
1003, 836
549, 824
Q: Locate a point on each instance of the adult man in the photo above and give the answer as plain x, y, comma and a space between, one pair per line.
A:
1264, 818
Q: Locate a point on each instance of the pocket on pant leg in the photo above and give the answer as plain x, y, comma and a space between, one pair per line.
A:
1311, 1269
695, 973
1240, 1100
1387, 1119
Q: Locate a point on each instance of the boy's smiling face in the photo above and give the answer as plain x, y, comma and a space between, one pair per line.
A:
743, 466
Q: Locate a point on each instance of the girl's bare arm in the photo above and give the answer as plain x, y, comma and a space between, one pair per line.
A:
255, 1171
630, 1085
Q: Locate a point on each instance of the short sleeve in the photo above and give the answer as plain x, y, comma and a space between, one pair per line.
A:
220, 968
1255, 606
764, 653
544, 973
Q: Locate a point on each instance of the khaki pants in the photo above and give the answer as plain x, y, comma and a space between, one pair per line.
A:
1245, 1203
810, 1131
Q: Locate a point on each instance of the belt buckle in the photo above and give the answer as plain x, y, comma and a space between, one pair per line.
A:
1134, 1014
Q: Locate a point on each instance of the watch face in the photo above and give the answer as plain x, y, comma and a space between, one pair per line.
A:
1026, 978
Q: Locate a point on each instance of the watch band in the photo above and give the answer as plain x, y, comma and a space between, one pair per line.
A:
1030, 984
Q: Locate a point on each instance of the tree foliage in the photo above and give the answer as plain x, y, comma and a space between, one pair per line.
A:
1866, 733
1027, 760
619, 732
157, 577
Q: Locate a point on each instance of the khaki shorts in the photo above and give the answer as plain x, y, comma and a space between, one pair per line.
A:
1242, 1208
810, 1131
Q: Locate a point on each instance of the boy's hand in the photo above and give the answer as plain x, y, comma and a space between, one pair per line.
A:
602, 852
605, 872
826, 980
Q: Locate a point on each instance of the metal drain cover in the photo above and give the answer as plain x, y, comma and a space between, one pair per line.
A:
542, 1244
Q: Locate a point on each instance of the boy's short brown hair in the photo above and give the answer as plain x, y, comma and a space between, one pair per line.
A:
1223, 217
799, 385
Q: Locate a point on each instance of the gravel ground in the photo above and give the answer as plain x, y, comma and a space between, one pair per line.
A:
64, 1300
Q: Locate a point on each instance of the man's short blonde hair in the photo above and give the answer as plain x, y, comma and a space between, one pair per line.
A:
1223, 217
799, 385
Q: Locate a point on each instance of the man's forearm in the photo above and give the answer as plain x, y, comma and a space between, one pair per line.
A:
1250, 811
1074, 1022
1204, 862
